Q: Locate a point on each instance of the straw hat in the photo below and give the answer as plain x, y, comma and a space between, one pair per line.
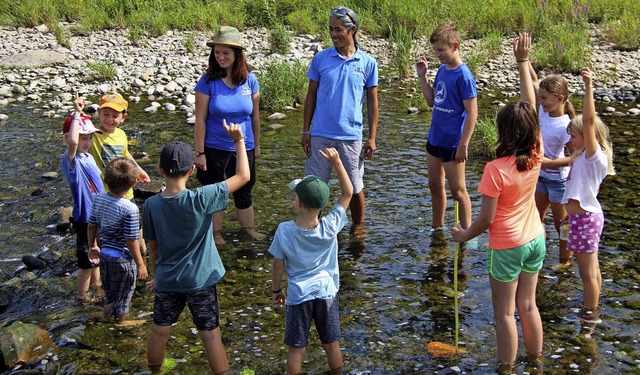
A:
228, 36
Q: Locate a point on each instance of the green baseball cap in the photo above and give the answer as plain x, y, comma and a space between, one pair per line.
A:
312, 191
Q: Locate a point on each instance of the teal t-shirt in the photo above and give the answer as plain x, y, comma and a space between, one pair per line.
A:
188, 259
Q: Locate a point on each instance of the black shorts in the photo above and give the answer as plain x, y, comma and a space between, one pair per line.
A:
444, 154
222, 165
82, 247
203, 304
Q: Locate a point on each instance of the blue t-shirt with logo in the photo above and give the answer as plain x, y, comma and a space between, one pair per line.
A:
231, 104
451, 88
342, 85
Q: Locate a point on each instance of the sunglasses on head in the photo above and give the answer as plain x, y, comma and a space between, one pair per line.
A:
343, 12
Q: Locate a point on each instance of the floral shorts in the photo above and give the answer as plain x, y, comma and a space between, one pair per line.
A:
584, 232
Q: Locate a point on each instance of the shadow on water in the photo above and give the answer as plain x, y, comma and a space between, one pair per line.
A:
396, 277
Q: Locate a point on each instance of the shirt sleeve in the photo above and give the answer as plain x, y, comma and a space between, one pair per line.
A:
203, 86
132, 224
149, 230
313, 72
253, 83
276, 245
490, 183
467, 85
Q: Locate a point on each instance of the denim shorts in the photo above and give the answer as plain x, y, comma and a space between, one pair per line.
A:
506, 265
444, 154
203, 304
325, 314
350, 154
553, 188
584, 232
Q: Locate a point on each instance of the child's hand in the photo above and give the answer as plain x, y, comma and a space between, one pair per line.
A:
94, 255
522, 46
143, 176
587, 74
234, 130
278, 298
421, 66
331, 154
142, 272
458, 234
79, 104
150, 286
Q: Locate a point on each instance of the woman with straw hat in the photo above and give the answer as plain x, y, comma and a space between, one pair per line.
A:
227, 91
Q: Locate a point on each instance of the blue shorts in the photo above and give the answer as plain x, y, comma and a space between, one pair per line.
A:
444, 154
203, 304
584, 232
325, 314
506, 265
553, 188
350, 154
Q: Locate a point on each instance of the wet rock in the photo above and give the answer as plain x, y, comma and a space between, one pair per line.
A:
275, 126
50, 175
64, 214
277, 116
23, 343
33, 263
3, 117
38, 191
50, 257
144, 191
72, 338
412, 110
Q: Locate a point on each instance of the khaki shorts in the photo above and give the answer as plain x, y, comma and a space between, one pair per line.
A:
350, 154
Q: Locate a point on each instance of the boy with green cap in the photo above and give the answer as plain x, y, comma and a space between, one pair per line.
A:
308, 248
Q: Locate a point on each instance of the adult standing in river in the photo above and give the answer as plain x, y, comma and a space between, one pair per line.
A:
227, 91
339, 79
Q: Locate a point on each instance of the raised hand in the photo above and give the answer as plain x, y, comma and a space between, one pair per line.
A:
522, 46
421, 66
234, 130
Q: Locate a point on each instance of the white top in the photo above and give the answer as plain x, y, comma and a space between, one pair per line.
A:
554, 138
585, 177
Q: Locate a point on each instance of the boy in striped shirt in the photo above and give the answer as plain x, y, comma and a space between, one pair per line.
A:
116, 219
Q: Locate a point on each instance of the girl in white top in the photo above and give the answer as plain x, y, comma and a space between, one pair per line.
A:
554, 112
590, 164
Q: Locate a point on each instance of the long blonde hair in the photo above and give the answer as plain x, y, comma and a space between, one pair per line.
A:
602, 136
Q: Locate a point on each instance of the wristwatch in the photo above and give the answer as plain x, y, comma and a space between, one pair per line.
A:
198, 154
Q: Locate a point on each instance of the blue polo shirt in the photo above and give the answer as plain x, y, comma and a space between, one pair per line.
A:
231, 104
342, 86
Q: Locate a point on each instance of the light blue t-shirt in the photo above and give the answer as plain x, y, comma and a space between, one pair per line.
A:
84, 181
188, 259
310, 257
234, 105
117, 219
451, 88
342, 87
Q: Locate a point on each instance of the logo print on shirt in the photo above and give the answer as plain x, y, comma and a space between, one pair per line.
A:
441, 93
246, 90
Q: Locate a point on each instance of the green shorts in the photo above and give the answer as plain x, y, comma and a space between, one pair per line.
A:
506, 265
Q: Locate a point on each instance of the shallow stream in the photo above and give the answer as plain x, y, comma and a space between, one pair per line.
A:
396, 281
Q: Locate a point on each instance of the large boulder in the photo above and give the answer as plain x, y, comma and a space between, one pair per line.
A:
33, 59
22, 343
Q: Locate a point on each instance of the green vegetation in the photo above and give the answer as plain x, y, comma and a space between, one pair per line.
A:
484, 138
401, 39
560, 27
101, 70
189, 42
279, 39
282, 84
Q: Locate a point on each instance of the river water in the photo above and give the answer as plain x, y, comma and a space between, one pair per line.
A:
396, 280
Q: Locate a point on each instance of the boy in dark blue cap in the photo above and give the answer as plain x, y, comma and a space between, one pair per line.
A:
308, 248
182, 254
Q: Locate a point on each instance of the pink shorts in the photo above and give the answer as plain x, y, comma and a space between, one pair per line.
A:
584, 232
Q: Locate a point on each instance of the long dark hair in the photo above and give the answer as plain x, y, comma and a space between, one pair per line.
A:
239, 70
519, 134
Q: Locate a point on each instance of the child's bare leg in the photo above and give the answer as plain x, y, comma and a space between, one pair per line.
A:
559, 213
528, 312
82, 283
95, 284
591, 278
435, 174
156, 346
294, 360
503, 298
108, 309
455, 173
214, 348
245, 218
334, 356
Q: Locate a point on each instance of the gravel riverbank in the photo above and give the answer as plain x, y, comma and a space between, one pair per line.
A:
36, 69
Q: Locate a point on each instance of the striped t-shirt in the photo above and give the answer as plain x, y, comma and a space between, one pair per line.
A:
117, 219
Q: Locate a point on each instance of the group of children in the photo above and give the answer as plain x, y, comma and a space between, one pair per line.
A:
530, 174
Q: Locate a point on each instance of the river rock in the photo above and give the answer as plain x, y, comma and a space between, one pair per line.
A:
22, 343
33, 262
3, 117
33, 59
277, 116
412, 110
50, 175
63, 216
275, 126
147, 190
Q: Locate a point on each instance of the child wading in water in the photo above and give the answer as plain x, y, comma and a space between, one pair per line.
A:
516, 235
590, 164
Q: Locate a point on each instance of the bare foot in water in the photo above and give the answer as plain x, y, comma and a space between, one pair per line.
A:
218, 239
254, 234
130, 323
